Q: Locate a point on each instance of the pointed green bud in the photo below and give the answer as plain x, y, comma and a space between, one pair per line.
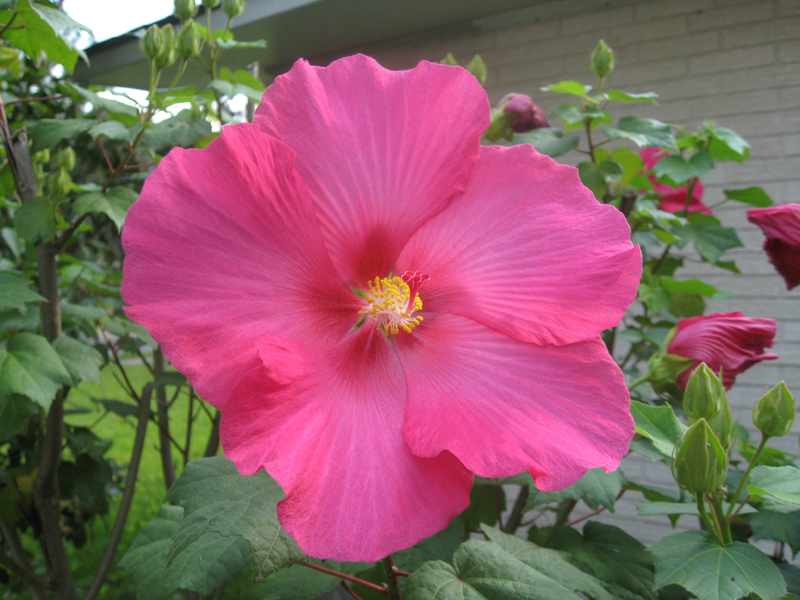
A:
167, 55
59, 182
449, 59
233, 8
185, 9
66, 158
478, 68
723, 426
602, 60
700, 463
773, 413
189, 40
703, 396
152, 42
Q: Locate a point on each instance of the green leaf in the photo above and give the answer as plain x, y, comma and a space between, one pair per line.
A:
694, 286
34, 32
610, 169
552, 563
611, 555
482, 505
643, 132
678, 170
710, 239
113, 130
576, 88
35, 220
229, 89
86, 478
695, 561
727, 145
183, 130
30, 366
659, 424
15, 292
781, 527
82, 362
631, 164
15, 411
549, 141
596, 488
626, 97
10, 60
754, 196
114, 203
592, 178
482, 570
295, 583
791, 575
440, 546
574, 116
217, 498
47, 133
107, 104
205, 565
779, 487
118, 407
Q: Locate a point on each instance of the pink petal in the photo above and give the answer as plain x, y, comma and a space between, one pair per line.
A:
502, 406
222, 248
381, 151
528, 252
326, 423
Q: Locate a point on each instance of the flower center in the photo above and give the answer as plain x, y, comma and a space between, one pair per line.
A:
392, 301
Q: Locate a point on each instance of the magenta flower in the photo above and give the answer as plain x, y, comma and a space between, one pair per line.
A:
781, 225
729, 341
672, 199
380, 306
529, 115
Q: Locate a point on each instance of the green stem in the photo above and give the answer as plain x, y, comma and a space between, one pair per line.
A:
721, 521
638, 382
701, 507
391, 575
742, 483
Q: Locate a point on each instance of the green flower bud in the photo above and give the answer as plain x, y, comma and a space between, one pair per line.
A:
189, 40
602, 60
167, 55
723, 426
233, 8
703, 396
773, 413
152, 42
449, 59
66, 158
664, 369
42, 156
59, 182
211, 3
185, 9
700, 463
477, 68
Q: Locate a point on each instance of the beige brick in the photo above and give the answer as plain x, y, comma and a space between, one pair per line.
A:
760, 78
528, 33
687, 87
651, 72
727, 15
532, 70
659, 8
695, 43
766, 32
732, 60
788, 8
650, 30
791, 144
789, 51
597, 20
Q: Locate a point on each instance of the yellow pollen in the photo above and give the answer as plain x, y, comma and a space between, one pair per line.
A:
388, 302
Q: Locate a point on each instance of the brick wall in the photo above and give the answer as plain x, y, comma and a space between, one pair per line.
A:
734, 62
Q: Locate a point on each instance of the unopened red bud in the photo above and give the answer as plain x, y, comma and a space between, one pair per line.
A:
529, 116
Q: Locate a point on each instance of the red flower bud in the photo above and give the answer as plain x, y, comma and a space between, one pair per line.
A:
727, 341
781, 225
529, 116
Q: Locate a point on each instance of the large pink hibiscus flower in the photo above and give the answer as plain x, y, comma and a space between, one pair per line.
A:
380, 306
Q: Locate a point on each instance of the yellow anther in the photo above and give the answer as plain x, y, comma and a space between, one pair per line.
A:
388, 302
